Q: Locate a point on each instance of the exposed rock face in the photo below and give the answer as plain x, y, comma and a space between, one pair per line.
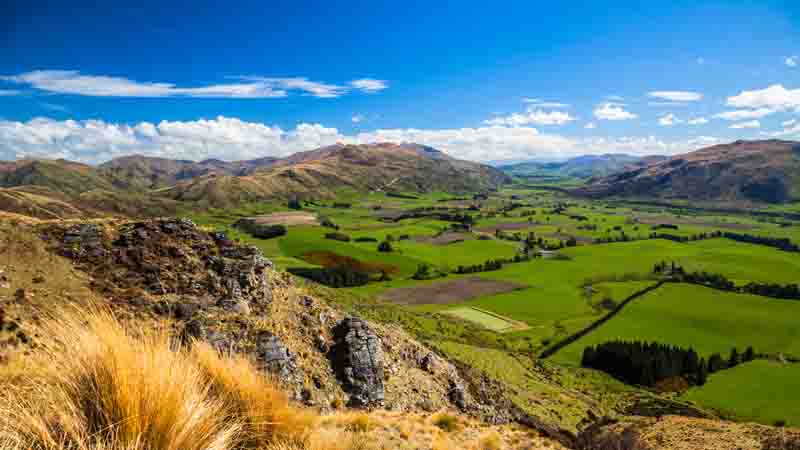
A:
274, 357
358, 360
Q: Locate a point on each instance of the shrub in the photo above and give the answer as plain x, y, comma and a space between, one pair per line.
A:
446, 422
328, 223
294, 204
268, 231
385, 247
94, 385
337, 236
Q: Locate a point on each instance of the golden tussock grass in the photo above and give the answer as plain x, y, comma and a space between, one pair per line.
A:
95, 385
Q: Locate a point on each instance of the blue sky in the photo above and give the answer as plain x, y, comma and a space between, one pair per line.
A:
487, 81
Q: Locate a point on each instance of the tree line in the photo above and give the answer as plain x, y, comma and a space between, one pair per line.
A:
648, 363
718, 281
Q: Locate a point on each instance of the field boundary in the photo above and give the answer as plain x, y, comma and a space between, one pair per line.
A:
515, 325
596, 324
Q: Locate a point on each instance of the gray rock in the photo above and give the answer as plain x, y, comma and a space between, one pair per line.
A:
357, 359
274, 357
457, 396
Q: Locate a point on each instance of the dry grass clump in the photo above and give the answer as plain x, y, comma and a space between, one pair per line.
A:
93, 385
446, 422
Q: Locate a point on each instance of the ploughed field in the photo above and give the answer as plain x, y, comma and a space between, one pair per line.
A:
598, 254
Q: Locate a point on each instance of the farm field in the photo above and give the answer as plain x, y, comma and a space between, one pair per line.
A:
524, 307
701, 318
761, 391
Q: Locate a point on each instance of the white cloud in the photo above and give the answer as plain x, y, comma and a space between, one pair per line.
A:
8, 92
613, 111
369, 84
743, 114
357, 118
775, 97
668, 120
227, 138
697, 121
590, 126
532, 117
788, 123
749, 124
544, 104
676, 96
615, 98
73, 82
792, 61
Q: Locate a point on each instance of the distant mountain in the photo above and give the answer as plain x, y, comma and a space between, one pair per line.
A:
584, 166
319, 173
753, 171
140, 185
143, 172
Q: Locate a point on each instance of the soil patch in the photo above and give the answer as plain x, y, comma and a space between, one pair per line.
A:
448, 237
286, 218
448, 292
331, 259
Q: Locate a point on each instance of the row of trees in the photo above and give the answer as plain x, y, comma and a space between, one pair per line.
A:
780, 243
340, 276
789, 291
647, 364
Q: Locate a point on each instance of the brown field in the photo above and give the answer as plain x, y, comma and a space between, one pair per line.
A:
445, 238
448, 292
287, 218
507, 226
330, 259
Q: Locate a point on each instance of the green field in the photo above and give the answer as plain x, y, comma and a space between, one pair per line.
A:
761, 391
702, 318
482, 318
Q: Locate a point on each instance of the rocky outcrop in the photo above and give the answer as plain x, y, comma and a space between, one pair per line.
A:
358, 361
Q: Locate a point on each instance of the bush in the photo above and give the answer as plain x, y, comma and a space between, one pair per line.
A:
294, 204
268, 231
337, 236
385, 247
95, 385
446, 422
328, 223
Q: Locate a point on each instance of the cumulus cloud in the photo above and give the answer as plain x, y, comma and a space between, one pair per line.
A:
613, 111
788, 123
357, 118
532, 117
369, 84
676, 96
668, 120
792, 61
748, 124
95, 141
743, 114
75, 83
697, 121
590, 126
544, 104
775, 98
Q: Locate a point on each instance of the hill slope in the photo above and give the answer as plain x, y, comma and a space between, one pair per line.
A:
754, 171
319, 173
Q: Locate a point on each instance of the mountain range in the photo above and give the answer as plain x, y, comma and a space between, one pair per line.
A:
584, 166
141, 185
765, 171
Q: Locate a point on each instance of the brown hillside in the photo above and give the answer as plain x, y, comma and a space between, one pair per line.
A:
751, 171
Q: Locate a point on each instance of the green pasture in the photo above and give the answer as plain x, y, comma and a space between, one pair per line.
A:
762, 391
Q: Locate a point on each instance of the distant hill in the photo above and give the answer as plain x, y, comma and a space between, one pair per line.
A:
584, 166
142, 172
147, 186
753, 171
320, 172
